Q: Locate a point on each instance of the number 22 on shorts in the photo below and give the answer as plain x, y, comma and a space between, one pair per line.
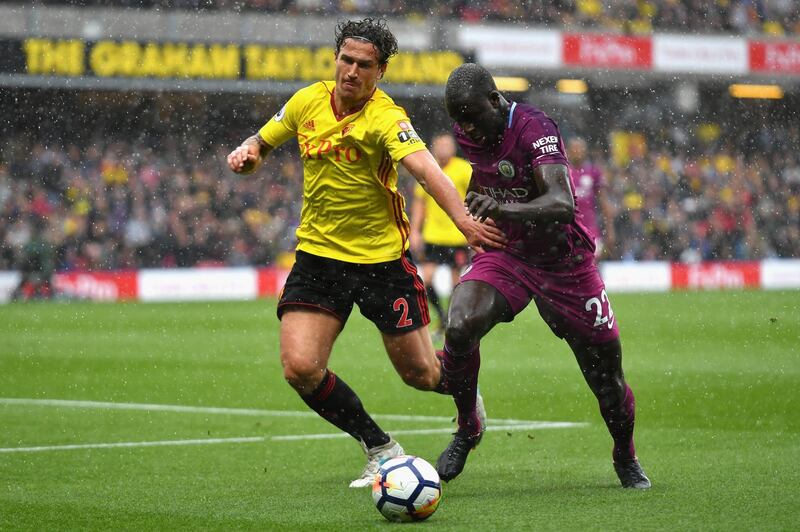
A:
596, 304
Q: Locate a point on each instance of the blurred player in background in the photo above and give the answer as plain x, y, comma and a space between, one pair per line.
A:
37, 265
353, 234
521, 181
435, 240
590, 191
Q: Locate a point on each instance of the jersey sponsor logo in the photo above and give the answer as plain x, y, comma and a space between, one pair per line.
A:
309, 125
506, 195
506, 169
550, 139
546, 145
328, 150
279, 115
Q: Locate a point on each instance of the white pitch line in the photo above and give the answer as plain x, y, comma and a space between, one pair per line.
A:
509, 427
496, 424
72, 447
147, 407
293, 437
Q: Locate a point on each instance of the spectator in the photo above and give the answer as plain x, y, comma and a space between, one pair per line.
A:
775, 18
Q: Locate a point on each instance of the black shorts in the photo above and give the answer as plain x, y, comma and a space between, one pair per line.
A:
390, 294
455, 257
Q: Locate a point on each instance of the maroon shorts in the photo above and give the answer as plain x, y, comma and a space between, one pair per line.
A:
572, 302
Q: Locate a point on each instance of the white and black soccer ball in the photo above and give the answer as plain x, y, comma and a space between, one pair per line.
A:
406, 488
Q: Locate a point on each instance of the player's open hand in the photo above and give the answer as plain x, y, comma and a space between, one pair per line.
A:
484, 234
481, 206
243, 159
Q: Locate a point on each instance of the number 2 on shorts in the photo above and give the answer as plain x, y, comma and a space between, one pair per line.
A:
401, 304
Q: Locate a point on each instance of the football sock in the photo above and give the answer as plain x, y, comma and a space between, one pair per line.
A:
443, 387
461, 373
336, 402
619, 420
433, 298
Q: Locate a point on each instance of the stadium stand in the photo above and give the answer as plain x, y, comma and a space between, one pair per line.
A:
164, 198
135, 178
775, 17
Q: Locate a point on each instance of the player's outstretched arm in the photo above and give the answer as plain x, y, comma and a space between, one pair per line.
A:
249, 155
556, 204
417, 220
427, 172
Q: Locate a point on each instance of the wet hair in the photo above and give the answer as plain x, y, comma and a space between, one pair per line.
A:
371, 30
467, 82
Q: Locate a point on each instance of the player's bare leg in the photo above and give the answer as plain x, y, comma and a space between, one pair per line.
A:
414, 358
419, 366
475, 308
305, 358
601, 366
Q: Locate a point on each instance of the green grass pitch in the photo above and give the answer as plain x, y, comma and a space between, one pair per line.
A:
716, 376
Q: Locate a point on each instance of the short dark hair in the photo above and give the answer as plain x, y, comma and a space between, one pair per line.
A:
468, 81
368, 29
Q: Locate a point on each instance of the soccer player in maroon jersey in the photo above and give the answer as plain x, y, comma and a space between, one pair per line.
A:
591, 198
521, 181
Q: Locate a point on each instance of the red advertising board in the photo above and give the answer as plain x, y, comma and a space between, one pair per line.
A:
608, 51
775, 57
271, 281
98, 286
716, 275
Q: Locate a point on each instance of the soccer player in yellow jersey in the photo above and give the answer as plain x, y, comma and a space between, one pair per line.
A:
435, 240
353, 234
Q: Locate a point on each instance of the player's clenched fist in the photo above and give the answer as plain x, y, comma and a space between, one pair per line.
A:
243, 159
481, 206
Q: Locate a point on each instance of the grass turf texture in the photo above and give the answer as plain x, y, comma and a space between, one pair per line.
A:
716, 377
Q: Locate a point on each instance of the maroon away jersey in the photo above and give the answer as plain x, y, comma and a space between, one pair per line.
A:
505, 172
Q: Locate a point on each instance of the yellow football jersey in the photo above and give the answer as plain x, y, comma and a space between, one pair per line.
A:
352, 210
438, 228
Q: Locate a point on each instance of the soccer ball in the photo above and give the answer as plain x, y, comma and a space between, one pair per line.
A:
406, 488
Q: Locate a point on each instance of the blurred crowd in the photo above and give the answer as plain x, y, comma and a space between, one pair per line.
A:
125, 204
716, 204
121, 205
771, 17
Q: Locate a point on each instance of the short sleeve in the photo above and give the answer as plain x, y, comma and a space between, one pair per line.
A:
283, 125
397, 133
543, 140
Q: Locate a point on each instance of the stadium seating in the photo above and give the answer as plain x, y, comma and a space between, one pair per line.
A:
776, 18
122, 204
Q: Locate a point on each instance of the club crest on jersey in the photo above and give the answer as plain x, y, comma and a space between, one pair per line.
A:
506, 169
279, 115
